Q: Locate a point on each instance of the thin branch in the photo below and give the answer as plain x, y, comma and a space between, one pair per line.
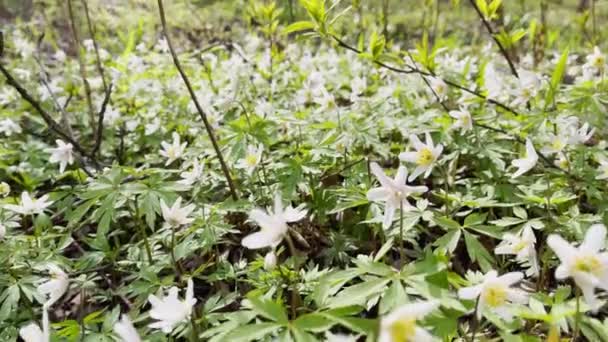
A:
414, 70
503, 51
82, 66
44, 79
200, 110
100, 116
95, 46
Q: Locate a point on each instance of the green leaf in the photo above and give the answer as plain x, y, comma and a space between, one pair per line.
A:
252, 332
477, 252
475, 219
300, 26
268, 308
358, 294
314, 322
556, 78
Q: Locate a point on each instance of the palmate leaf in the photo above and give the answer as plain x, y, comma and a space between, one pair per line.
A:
358, 294
477, 252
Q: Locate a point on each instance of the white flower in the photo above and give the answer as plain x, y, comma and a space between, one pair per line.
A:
581, 135
252, 159
55, 286
585, 264
30, 206
439, 87
33, 333
9, 127
424, 157
170, 311
124, 328
492, 82
522, 246
5, 189
526, 163
400, 324
495, 293
62, 154
174, 150
152, 127
463, 119
562, 161
192, 176
273, 224
176, 215
557, 143
528, 86
111, 116
596, 60
2, 231
270, 261
394, 192
357, 87
603, 169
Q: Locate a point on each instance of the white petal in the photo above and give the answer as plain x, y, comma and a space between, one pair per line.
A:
260, 239
380, 175
294, 214
378, 194
561, 247
401, 176
410, 157
389, 214
470, 292
511, 278
595, 239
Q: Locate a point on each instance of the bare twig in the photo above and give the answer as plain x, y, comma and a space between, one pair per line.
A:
200, 110
414, 70
95, 46
503, 51
44, 79
82, 66
100, 116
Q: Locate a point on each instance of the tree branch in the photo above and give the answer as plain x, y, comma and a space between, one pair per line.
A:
200, 110
82, 66
503, 51
95, 46
101, 115
414, 70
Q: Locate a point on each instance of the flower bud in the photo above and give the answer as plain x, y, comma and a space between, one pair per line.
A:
270, 261
5, 189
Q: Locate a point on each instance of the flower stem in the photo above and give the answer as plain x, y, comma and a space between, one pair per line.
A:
577, 317
142, 230
178, 268
295, 296
401, 248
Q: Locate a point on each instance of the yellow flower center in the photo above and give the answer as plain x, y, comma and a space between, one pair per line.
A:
599, 61
425, 157
465, 120
251, 160
172, 152
495, 296
588, 264
403, 330
519, 246
557, 145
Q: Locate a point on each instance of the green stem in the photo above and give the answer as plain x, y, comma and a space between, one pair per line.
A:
401, 248
177, 266
577, 317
